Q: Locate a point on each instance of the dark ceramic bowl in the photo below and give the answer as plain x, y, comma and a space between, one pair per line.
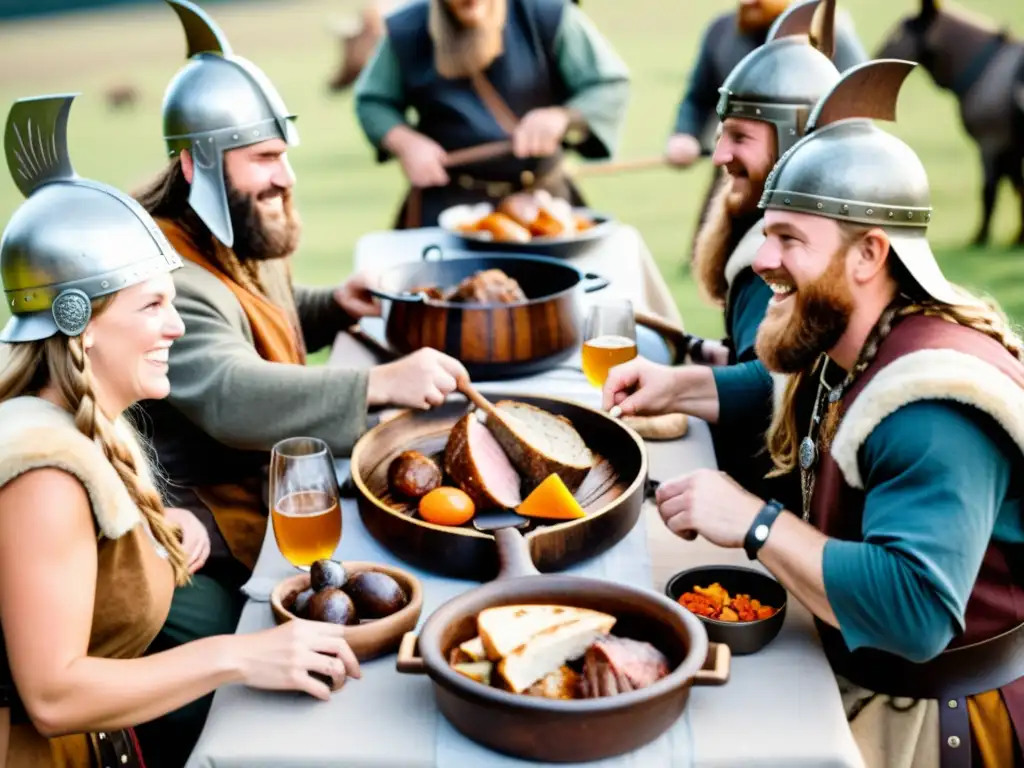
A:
742, 637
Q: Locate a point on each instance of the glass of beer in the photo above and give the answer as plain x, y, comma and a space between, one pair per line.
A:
304, 506
609, 338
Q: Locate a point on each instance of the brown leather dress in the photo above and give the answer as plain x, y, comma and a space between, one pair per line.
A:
134, 581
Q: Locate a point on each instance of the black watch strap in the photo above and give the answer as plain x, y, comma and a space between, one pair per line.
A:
761, 527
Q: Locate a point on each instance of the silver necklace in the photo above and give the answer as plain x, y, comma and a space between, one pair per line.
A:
808, 452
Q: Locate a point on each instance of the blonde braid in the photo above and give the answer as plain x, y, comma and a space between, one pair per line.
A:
76, 387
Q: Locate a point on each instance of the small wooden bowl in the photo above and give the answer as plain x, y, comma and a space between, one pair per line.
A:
742, 637
369, 639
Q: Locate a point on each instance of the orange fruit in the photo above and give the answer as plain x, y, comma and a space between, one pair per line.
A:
447, 506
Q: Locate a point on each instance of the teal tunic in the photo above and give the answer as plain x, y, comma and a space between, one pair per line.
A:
596, 78
749, 297
938, 486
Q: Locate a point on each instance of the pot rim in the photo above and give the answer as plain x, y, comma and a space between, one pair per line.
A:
680, 677
581, 276
470, 532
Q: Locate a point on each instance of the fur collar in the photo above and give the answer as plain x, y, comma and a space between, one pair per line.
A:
35, 433
930, 374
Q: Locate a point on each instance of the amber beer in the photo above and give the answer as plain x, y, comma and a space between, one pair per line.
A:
307, 526
603, 353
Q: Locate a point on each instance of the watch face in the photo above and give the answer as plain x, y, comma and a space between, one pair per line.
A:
761, 532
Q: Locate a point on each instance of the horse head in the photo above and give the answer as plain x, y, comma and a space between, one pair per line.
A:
908, 40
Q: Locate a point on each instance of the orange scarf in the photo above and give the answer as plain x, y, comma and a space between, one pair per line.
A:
238, 508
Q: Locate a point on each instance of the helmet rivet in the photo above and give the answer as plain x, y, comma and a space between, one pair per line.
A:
910, 214
210, 140
927, 217
870, 211
757, 111
820, 206
234, 137
891, 214
846, 208
786, 201
255, 133
105, 284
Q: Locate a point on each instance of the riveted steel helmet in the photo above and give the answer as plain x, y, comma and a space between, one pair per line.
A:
73, 239
848, 169
781, 81
218, 101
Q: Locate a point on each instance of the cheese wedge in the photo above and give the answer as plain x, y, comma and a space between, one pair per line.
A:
505, 628
476, 670
549, 650
551, 500
474, 649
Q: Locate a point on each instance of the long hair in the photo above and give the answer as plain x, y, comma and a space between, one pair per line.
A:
983, 315
27, 367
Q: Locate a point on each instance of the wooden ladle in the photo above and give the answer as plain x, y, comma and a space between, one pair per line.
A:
481, 402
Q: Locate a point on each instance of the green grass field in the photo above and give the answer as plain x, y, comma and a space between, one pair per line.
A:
342, 193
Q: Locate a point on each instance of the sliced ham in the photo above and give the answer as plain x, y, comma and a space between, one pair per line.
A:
477, 464
614, 665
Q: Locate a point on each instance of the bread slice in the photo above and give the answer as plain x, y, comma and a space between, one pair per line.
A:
474, 649
545, 652
505, 628
540, 443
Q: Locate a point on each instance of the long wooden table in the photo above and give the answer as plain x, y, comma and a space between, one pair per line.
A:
781, 706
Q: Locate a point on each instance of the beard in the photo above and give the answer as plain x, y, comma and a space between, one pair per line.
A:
262, 236
461, 51
736, 196
810, 322
760, 15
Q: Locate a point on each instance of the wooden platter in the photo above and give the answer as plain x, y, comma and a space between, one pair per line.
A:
611, 494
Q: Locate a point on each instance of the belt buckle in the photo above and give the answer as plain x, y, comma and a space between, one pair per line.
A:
496, 188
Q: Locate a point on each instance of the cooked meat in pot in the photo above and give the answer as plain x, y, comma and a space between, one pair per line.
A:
614, 665
491, 286
413, 475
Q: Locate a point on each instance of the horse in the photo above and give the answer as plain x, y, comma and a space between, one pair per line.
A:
984, 68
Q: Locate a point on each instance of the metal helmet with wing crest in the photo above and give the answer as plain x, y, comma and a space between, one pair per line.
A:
217, 102
73, 239
847, 168
782, 80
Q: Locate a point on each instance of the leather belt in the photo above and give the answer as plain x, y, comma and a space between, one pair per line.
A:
950, 678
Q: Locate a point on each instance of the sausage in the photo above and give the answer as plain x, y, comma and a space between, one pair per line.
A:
503, 228
521, 207
411, 474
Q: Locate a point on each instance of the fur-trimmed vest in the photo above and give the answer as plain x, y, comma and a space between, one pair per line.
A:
926, 358
134, 580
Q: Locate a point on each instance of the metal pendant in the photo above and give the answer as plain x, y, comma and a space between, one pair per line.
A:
808, 453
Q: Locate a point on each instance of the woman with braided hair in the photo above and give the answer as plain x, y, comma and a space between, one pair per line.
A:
897, 399
89, 557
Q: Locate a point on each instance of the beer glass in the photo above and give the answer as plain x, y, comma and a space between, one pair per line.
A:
305, 509
609, 338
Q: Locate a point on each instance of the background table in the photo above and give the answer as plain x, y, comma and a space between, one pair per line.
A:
781, 707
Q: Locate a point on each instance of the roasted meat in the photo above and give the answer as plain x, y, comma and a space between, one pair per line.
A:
475, 462
413, 475
614, 665
490, 286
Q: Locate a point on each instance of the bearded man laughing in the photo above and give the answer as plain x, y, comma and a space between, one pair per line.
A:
897, 400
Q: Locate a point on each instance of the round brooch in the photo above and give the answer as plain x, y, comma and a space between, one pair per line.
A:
71, 311
808, 453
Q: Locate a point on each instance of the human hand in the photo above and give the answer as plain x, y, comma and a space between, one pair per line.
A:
710, 504
195, 539
421, 157
540, 132
286, 657
640, 388
354, 296
682, 150
420, 380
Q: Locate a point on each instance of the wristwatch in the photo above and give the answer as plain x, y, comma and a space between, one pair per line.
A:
760, 528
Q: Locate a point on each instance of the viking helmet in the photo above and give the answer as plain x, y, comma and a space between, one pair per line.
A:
218, 101
782, 80
848, 169
73, 239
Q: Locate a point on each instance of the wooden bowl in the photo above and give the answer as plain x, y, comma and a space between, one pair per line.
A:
611, 495
742, 637
371, 638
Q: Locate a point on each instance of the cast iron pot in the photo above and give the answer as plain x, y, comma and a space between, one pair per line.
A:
493, 341
564, 731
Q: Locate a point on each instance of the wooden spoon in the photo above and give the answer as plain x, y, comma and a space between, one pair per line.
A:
481, 402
